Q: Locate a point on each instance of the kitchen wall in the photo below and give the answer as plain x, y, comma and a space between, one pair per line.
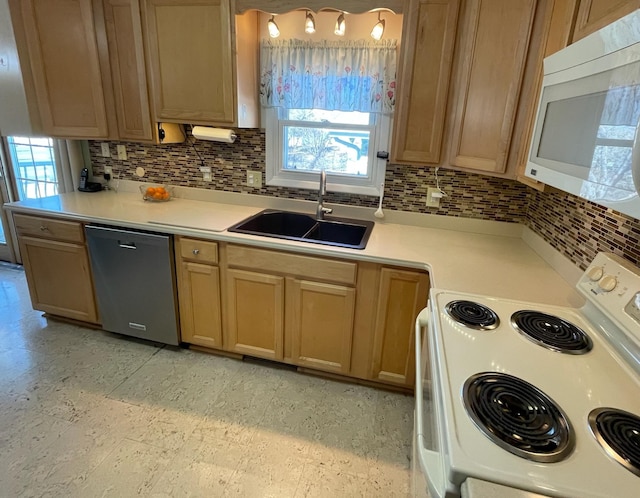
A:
575, 227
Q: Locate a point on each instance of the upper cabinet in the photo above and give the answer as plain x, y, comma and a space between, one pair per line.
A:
122, 27
596, 14
494, 39
84, 67
192, 61
429, 32
461, 76
552, 31
64, 61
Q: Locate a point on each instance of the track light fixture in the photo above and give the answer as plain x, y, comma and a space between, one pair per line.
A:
378, 29
340, 25
309, 24
274, 31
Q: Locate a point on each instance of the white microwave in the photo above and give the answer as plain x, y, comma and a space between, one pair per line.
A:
585, 139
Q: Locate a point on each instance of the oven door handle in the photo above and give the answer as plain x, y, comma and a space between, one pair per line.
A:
430, 461
422, 322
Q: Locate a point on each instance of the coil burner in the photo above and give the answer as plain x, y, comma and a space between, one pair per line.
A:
618, 432
518, 417
551, 332
472, 315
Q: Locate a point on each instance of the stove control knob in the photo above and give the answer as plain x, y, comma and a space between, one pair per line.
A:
595, 273
608, 283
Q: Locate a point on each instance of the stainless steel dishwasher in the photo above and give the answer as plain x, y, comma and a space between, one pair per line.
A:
134, 278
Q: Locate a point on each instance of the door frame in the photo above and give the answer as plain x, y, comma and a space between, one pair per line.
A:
8, 252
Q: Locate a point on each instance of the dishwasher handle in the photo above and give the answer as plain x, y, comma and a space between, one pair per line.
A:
127, 238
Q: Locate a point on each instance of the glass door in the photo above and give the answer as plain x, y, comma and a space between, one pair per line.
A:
28, 172
6, 246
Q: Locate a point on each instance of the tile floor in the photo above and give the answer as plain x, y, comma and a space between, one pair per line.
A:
87, 413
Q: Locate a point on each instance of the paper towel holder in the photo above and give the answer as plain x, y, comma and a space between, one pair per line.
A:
213, 134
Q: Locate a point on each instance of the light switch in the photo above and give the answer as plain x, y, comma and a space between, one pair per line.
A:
254, 179
122, 152
105, 149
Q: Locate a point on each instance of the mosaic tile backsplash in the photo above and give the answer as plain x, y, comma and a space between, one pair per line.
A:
468, 195
575, 227
579, 229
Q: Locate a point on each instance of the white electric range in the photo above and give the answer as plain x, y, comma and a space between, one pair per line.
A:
538, 398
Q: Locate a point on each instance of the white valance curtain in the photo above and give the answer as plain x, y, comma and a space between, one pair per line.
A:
330, 75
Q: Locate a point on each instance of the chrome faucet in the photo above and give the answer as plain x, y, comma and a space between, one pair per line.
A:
321, 210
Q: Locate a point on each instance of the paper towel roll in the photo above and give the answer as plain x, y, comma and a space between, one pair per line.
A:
214, 134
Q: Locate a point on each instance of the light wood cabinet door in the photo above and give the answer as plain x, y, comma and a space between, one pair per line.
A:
190, 56
596, 14
402, 295
65, 64
428, 41
59, 278
321, 325
493, 43
552, 31
255, 313
126, 56
199, 297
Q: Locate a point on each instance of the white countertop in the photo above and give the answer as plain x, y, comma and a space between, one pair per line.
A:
497, 263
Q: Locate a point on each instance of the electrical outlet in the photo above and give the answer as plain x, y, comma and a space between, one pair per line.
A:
122, 152
105, 149
206, 173
254, 179
433, 200
108, 170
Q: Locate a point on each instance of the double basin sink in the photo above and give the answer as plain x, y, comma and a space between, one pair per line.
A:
340, 232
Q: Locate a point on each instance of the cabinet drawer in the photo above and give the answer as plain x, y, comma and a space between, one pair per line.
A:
293, 264
198, 250
49, 228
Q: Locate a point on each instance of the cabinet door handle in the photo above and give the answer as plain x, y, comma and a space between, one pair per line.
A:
196, 251
43, 228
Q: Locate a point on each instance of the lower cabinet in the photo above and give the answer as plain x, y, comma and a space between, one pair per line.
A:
199, 292
326, 314
256, 313
290, 307
56, 264
402, 294
338, 316
321, 325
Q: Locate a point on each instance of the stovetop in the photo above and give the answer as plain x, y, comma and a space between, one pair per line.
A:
577, 383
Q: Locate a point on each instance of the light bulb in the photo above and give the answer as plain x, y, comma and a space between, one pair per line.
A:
309, 24
340, 25
274, 31
378, 29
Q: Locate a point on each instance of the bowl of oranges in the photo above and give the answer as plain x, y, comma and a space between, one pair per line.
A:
156, 193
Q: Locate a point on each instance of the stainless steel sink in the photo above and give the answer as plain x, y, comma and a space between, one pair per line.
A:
340, 232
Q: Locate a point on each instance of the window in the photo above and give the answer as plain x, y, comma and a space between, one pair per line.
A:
34, 167
302, 142
328, 106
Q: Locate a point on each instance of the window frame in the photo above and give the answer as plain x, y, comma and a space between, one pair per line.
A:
44, 186
275, 175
